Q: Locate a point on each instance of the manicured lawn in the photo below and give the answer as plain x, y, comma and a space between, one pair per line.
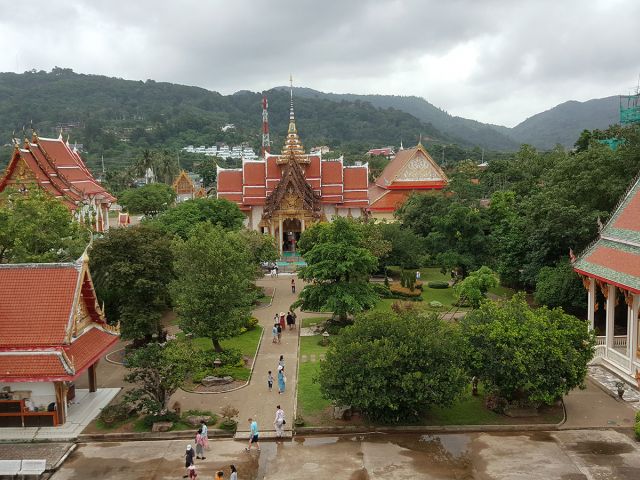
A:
310, 402
306, 322
246, 342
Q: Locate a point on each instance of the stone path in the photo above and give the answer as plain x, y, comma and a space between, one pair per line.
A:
608, 380
255, 400
52, 452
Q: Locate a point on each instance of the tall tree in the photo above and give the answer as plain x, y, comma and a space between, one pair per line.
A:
213, 290
338, 269
36, 227
132, 268
525, 354
183, 217
393, 366
149, 200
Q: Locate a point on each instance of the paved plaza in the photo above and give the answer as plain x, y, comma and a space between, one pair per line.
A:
566, 455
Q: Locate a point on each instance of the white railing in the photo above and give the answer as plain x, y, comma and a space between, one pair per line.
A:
619, 341
601, 351
619, 359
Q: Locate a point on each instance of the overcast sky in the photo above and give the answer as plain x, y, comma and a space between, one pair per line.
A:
496, 61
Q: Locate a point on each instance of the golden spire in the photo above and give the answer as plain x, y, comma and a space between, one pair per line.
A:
292, 144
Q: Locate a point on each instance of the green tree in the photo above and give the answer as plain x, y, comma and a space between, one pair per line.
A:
38, 228
527, 355
149, 200
473, 289
208, 170
559, 286
213, 290
262, 248
337, 270
157, 372
132, 268
407, 248
394, 366
183, 217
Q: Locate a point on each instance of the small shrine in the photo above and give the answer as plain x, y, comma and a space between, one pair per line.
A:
184, 187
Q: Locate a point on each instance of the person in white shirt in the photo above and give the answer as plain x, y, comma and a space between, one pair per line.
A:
279, 422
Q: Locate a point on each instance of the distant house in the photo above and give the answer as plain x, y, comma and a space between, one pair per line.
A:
385, 152
52, 165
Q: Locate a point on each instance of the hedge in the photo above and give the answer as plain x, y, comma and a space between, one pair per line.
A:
440, 285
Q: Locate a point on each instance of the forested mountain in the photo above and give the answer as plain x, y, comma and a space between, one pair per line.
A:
563, 123
466, 132
118, 118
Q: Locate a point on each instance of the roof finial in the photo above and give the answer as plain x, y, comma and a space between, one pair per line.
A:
401, 147
420, 140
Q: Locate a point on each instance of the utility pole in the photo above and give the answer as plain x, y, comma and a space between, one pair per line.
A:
443, 147
266, 143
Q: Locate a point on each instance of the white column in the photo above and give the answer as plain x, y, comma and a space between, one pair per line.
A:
633, 337
611, 314
301, 225
591, 303
281, 235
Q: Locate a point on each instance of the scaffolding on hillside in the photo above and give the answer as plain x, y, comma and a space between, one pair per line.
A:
630, 109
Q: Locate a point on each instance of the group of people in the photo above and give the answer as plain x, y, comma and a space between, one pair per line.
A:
254, 435
280, 323
202, 444
282, 379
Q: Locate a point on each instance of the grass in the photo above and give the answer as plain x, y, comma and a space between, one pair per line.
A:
311, 346
306, 322
442, 295
246, 342
310, 401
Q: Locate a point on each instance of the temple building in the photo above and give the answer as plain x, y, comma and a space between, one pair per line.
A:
186, 189
610, 271
411, 170
52, 330
52, 165
283, 194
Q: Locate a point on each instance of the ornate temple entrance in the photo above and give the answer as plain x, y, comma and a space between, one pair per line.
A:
292, 229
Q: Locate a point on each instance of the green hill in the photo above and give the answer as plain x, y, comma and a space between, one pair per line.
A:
116, 119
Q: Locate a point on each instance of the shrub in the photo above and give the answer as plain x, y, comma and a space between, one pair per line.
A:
114, 413
229, 414
231, 357
149, 420
435, 304
394, 272
638, 416
201, 413
400, 291
438, 285
400, 306
636, 429
382, 290
496, 403
251, 323
199, 375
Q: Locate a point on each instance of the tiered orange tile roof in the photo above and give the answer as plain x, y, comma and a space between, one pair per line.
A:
51, 327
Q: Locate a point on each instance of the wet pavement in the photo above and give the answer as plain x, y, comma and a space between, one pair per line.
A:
564, 455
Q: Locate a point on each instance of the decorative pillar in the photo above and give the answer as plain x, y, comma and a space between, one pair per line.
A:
302, 225
611, 314
281, 236
591, 302
61, 402
633, 338
93, 384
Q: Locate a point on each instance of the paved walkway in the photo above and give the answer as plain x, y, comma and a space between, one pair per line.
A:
255, 400
608, 381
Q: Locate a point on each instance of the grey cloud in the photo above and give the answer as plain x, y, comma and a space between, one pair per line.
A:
530, 53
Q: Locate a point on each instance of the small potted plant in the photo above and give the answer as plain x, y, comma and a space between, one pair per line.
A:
621, 387
229, 414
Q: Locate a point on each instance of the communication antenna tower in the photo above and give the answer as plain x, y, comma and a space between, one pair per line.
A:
266, 143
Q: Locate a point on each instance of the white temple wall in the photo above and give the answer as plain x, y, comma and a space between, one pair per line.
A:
42, 393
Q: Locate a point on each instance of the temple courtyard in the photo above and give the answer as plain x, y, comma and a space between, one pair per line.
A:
567, 455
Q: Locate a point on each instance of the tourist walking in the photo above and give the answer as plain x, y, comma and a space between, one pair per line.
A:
282, 320
274, 332
253, 434
282, 379
219, 475
279, 422
270, 380
188, 459
289, 320
234, 473
279, 329
199, 445
293, 285
281, 362
192, 471
205, 434
293, 318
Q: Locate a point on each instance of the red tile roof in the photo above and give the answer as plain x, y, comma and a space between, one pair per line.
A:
36, 302
87, 348
389, 176
624, 262
629, 218
31, 366
389, 201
